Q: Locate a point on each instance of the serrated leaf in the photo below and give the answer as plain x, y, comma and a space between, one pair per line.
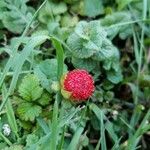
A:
30, 89
87, 39
28, 111
108, 52
45, 99
31, 139
16, 15
45, 83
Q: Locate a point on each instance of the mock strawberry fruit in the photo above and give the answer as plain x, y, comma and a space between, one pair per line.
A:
77, 85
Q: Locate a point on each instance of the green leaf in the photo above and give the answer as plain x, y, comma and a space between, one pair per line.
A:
87, 39
30, 89
116, 18
75, 140
122, 4
28, 111
114, 77
45, 99
144, 80
14, 147
93, 8
50, 10
87, 64
16, 15
43, 78
49, 68
31, 139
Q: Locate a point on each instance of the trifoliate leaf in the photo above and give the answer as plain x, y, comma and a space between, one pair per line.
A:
45, 99
30, 89
28, 111
87, 39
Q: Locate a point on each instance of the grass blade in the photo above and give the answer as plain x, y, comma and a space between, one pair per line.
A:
76, 138
54, 129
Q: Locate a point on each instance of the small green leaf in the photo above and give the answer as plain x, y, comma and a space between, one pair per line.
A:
28, 111
30, 89
31, 139
45, 99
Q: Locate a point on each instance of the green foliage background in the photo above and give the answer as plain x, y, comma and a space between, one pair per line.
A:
42, 40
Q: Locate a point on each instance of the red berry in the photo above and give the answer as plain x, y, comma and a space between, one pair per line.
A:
79, 83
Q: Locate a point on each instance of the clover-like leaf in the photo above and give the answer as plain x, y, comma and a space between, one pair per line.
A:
28, 111
30, 89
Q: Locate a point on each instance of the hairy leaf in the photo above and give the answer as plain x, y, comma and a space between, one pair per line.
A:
45, 99
30, 89
28, 111
15, 15
87, 39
